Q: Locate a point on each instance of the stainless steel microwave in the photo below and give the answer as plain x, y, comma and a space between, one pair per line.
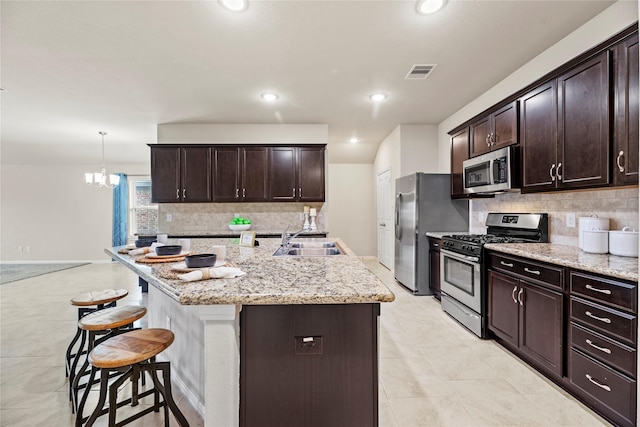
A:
494, 172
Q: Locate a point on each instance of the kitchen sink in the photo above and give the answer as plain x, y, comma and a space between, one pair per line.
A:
303, 249
304, 245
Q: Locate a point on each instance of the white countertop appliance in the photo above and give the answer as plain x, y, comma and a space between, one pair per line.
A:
461, 264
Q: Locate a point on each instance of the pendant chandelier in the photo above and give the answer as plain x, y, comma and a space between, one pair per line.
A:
102, 179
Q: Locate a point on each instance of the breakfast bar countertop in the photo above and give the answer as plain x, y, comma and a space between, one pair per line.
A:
571, 256
335, 279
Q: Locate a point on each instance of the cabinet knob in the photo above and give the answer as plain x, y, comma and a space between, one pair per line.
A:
620, 167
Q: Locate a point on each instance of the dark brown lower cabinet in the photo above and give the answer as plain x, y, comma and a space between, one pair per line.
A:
309, 365
434, 266
610, 393
529, 319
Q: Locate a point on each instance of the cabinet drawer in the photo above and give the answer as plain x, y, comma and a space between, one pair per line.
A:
610, 322
435, 243
610, 389
548, 274
604, 349
622, 295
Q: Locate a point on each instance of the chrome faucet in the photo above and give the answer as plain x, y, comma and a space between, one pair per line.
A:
286, 237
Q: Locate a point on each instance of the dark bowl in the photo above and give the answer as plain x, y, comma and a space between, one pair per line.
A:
141, 243
200, 260
168, 250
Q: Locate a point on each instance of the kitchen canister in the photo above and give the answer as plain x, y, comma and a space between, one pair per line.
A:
590, 223
624, 242
595, 241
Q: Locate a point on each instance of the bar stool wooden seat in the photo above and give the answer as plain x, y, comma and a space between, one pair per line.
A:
134, 351
105, 323
88, 303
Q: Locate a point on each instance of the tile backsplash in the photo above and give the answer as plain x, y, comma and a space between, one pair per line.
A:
619, 205
203, 218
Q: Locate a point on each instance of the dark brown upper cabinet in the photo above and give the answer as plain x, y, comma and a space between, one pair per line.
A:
495, 130
240, 174
296, 174
180, 174
564, 129
538, 137
625, 167
459, 153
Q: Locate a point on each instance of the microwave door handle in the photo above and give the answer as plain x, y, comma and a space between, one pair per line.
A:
495, 171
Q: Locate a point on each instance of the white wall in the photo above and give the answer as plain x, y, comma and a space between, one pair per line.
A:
611, 21
352, 209
242, 134
51, 210
418, 149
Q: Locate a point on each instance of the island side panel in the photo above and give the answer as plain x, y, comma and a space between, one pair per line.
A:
331, 378
205, 356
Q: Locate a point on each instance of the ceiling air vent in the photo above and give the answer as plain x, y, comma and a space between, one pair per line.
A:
420, 71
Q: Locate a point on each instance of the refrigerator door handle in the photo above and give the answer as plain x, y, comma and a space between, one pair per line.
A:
397, 225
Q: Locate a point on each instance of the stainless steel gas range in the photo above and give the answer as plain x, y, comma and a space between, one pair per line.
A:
463, 273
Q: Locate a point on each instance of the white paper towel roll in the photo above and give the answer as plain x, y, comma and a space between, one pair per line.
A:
590, 223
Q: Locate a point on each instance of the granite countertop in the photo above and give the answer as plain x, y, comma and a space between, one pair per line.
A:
571, 256
338, 279
440, 234
228, 232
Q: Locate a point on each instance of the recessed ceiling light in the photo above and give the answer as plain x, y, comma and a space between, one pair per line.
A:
235, 5
378, 96
429, 6
269, 96
354, 140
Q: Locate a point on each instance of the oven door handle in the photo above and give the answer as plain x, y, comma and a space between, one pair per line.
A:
460, 257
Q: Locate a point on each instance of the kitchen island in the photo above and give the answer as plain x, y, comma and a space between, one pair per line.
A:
330, 305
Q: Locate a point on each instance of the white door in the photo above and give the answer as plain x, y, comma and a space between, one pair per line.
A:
385, 219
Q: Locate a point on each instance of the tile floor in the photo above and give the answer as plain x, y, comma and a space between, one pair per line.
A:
432, 371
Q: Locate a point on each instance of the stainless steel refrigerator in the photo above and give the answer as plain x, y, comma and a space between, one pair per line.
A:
423, 203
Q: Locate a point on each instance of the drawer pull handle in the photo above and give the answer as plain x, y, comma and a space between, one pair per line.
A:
513, 294
602, 349
506, 264
520, 296
602, 291
602, 386
532, 271
602, 319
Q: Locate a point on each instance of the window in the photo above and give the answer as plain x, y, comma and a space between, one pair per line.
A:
143, 215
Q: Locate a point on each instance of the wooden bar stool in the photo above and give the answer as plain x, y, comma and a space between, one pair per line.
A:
107, 322
134, 351
88, 303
